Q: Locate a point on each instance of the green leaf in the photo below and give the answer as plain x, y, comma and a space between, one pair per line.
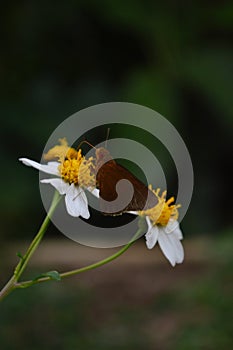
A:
19, 255
53, 275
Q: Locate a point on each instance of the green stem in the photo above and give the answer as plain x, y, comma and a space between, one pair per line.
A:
36, 241
7, 289
85, 268
19, 269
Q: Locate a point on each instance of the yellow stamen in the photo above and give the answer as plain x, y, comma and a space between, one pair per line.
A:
74, 167
87, 173
59, 151
163, 211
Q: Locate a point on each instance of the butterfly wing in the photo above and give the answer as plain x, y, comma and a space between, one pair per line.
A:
109, 174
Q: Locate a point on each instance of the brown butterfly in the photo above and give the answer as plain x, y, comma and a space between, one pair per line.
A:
108, 174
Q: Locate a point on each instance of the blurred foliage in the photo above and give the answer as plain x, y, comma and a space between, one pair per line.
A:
175, 57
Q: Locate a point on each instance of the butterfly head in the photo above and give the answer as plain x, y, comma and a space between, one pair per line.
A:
102, 155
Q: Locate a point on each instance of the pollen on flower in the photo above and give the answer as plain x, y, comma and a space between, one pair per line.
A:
76, 169
163, 211
87, 174
169, 212
59, 151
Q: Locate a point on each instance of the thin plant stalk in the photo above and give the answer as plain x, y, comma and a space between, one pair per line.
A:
85, 268
20, 267
14, 283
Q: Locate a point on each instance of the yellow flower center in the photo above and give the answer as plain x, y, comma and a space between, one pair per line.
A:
163, 211
74, 167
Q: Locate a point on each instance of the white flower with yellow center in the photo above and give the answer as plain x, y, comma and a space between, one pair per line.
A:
74, 173
163, 228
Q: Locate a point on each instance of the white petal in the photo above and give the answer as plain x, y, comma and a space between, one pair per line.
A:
60, 185
179, 252
149, 223
151, 235
171, 226
50, 168
171, 247
132, 212
76, 202
178, 233
94, 191
174, 228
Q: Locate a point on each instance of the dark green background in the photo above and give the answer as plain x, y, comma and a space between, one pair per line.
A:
174, 57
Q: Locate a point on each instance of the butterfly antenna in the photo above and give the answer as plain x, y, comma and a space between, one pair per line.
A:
88, 143
107, 137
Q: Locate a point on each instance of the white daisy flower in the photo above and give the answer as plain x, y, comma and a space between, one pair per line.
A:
73, 173
163, 228
169, 241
